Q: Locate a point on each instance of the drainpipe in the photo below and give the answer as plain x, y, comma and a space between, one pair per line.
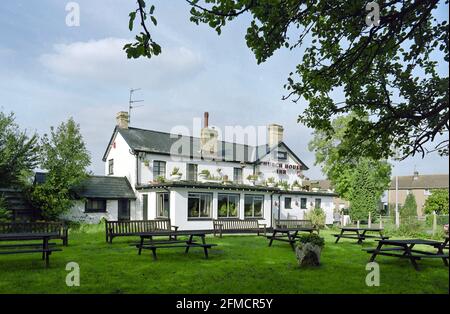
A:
279, 207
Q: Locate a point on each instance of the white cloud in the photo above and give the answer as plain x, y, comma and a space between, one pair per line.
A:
104, 61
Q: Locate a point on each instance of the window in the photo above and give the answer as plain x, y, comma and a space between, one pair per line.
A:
237, 175
282, 155
288, 203
162, 205
303, 203
159, 169
254, 206
192, 172
318, 203
111, 167
199, 205
95, 206
228, 205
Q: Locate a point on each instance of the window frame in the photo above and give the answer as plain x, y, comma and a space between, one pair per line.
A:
111, 167
254, 196
237, 179
158, 210
238, 202
95, 210
286, 203
281, 155
305, 204
315, 203
188, 172
159, 162
199, 195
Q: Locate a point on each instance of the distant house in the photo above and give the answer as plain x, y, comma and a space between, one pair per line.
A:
100, 197
326, 185
421, 186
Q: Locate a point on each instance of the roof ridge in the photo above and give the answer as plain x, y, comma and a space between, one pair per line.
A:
191, 136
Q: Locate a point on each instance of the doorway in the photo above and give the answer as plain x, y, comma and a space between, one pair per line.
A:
124, 210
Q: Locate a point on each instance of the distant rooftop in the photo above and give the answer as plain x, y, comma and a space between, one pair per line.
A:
422, 181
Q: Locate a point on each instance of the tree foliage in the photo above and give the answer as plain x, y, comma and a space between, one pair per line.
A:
438, 202
339, 169
18, 152
5, 213
387, 70
409, 209
65, 157
364, 195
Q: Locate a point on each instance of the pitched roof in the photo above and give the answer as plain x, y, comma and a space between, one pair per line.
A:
431, 181
157, 142
105, 188
322, 184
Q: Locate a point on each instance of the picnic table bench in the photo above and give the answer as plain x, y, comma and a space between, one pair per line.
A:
154, 245
46, 248
59, 230
360, 234
232, 225
295, 223
405, 249
289, 235
135, 228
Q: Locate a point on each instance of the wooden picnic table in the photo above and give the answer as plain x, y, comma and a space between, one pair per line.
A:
173, 242
289, 235
360, 234
406, 249
45, 248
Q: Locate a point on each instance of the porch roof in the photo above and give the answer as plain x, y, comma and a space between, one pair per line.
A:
227, 187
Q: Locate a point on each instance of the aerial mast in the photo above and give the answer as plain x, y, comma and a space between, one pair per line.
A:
131, 103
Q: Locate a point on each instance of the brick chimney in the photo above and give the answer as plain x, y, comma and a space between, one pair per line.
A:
209, 139
276, 133
122, 119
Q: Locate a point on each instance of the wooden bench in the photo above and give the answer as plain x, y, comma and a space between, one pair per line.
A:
45, 248
295, 224
406, 249
60, 229
186, 244
224, 225
134, 228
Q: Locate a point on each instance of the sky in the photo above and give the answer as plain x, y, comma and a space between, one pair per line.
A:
50, 72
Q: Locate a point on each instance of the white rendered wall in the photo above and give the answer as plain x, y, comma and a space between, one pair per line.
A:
124, 161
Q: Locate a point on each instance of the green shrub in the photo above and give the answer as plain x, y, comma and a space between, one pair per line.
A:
438, 202
409, 209
313, 239
317, 217
5, 214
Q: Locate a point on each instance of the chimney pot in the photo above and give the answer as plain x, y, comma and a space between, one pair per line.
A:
122, 119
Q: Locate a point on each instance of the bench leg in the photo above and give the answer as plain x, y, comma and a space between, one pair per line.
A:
339, 237
271, 239
154, 254
190, 241
47, 259
205, 249
441, 252
375, 253
140, 246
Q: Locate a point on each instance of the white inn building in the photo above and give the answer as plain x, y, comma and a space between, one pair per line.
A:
193, 180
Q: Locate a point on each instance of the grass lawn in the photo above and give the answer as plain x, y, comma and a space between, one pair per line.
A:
240, 264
